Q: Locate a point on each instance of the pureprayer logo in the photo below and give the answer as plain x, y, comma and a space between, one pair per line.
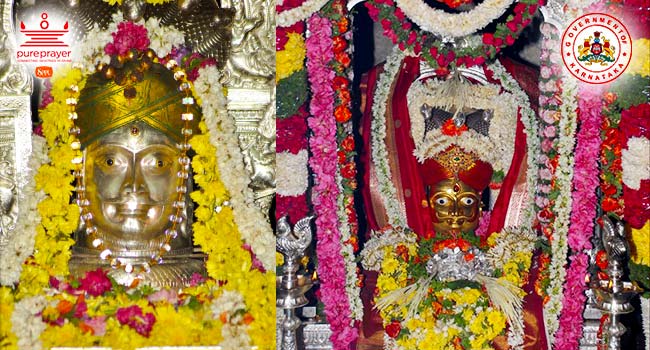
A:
44, 44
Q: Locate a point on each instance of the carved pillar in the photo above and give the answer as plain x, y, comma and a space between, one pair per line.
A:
15, 128
249, 77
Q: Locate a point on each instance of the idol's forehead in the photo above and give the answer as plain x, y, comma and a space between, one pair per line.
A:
134, 137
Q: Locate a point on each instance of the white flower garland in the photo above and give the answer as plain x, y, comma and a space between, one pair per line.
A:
290, 17
396, 215
21, 242
163, 39
27, 324
250, 220
635, 159
292, 175
235, 332
351, 287
496, 148
645, 314
562, 206
531, 128
448, 25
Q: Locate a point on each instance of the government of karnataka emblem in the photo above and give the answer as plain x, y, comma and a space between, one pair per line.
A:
596, 49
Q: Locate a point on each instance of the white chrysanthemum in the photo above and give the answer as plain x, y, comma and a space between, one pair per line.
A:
162, 39
26, 324
635, 160
292, 175
230, 302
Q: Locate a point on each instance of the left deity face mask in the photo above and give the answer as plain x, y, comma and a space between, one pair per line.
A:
130, 179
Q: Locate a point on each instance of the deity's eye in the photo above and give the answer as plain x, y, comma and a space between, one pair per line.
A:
160, 163
467, 201
442, 201
110, 161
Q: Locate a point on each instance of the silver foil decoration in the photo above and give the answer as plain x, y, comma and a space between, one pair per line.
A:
292, 285
450, 265
612, 296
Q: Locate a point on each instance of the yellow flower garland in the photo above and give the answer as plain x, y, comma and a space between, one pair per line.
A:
292, 58
640, 239
215, 232
484, 324
218, 236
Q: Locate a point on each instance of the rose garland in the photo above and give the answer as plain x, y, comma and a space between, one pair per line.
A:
583, 213
472, 51
331, 265
562, 206
549, 101
229, 259
336, 12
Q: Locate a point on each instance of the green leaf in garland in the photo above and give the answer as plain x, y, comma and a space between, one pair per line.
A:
292, 93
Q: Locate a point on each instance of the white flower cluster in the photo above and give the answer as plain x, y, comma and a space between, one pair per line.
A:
635, 159
396, 214
495, 148
509, 242
230, 306
373, 251
292, 175
250, 220
290, 17
26, 323
20, 244
163, 39
445, 24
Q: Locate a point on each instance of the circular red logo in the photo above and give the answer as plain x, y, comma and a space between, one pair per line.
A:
596, 48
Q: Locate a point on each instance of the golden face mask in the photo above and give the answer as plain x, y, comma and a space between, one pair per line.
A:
455, 207
130, 179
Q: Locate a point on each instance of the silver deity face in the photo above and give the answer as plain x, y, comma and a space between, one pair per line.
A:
130, 179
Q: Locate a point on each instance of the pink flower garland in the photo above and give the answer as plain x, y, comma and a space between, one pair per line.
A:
583, 212
323, 162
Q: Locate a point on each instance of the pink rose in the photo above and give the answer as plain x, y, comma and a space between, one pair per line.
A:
547, 145
541, 201
545, 174
549, 131
134, 318
96, 282
168, 295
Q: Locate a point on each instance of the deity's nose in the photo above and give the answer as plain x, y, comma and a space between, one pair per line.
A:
134, 183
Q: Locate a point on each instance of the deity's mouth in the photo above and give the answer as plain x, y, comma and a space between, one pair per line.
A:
133, 210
